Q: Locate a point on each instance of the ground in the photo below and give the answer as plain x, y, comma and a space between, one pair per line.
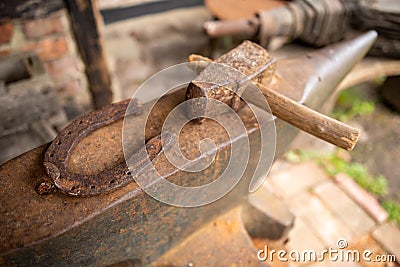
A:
329, 208
379, 149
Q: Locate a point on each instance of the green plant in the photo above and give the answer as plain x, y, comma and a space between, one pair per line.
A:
380, 80
350, 104
393, 210
333, 164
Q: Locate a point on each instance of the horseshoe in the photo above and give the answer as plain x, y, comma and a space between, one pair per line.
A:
57, 155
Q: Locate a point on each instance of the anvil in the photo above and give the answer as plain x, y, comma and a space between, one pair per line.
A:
126, 224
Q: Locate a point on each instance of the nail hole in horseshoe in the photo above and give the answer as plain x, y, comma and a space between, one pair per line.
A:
128, 173
92, 187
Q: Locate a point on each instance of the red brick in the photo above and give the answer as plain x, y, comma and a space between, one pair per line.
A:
6, 32
388, 235
69, 88
48, 49
61, 69
5, 52
368, 202
42, 27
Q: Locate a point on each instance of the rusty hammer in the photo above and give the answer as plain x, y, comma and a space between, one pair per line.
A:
254, 62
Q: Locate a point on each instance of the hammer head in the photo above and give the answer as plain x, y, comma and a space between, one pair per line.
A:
223, 79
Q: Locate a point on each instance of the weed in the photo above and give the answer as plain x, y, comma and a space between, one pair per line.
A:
380, 80
333, 164
393, 210
351, 104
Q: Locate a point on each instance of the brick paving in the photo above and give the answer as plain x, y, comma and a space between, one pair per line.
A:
389, 236
345, 209
326, 211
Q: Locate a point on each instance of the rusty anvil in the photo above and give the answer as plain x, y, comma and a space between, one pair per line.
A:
126, 225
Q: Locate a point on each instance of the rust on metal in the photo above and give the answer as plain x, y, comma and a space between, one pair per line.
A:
247, 61
317, 23
308, 120
127, 216
45, 187
127, 224
58, 154
245, 27
233, 242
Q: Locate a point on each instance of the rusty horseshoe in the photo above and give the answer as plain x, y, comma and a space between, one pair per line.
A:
57, 155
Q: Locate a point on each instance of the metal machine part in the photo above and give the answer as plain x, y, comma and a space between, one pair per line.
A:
318, 23
314, 22
384, 16
127, 225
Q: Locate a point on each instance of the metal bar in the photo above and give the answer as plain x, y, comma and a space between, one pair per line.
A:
111, 15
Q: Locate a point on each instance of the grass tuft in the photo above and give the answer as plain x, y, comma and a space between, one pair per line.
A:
393, 210
333, 165
350, 104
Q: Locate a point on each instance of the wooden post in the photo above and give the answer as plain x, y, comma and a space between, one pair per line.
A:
85, 17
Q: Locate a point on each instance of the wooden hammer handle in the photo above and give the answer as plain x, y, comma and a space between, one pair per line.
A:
310, 121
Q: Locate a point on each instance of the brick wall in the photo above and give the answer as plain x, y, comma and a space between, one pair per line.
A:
51, 38
135, 49
140, 47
